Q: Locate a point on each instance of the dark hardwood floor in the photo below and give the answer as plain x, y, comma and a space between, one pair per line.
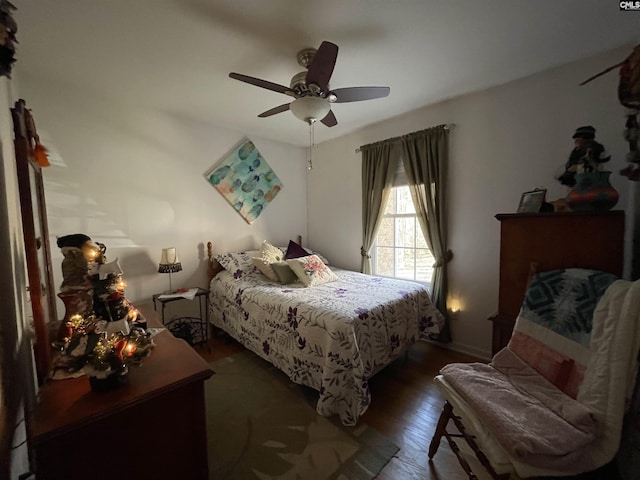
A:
405, 407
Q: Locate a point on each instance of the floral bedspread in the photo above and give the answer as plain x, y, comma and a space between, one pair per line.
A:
331, 337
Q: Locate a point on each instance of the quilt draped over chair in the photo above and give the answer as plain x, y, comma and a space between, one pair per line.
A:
553, 401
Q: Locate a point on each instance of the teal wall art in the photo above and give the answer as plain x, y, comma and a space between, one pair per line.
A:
245, 180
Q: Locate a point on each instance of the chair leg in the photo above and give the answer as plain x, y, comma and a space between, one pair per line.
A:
440, 428
476, 449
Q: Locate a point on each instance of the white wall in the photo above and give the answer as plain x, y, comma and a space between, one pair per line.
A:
508, 140
132, 178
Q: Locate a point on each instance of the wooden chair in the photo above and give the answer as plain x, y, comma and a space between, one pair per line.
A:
552, 402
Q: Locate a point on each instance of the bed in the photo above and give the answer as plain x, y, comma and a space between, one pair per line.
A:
331, 337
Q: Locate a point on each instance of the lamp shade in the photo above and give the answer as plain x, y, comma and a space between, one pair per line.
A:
310, 109
169, 262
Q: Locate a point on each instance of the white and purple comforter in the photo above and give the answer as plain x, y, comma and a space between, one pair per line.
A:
331, 337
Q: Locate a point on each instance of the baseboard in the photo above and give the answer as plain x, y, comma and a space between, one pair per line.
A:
480, 354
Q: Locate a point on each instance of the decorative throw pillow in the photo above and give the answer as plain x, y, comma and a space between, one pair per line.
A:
270, 253
264, 266
311, 271
237, 261
298, 251
284, 273
295, 250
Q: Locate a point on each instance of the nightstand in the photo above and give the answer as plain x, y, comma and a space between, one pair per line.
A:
194, 330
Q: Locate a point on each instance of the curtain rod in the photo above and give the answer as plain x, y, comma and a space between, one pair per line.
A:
448, 126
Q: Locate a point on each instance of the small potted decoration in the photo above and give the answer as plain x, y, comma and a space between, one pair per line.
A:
584, 173
104, 357
105, 364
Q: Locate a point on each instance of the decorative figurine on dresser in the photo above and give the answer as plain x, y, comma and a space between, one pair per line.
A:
101, 331
585, 174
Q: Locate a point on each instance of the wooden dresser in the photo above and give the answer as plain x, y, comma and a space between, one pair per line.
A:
552, 240
152, 426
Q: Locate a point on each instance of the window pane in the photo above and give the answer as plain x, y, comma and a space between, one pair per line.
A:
424, 265
420, 241
405, 232
405, 203
400, 248
384, 261
384, 238
405, 263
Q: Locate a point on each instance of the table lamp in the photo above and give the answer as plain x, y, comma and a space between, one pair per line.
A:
169, 263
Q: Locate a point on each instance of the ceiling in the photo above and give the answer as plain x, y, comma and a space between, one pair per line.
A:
175, 55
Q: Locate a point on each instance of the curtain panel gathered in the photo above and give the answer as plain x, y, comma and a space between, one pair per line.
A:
425, 156
377, 176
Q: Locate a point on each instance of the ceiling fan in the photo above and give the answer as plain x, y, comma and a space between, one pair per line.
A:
310, 88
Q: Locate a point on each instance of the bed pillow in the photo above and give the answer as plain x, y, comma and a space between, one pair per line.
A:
311, 271
320, 256
295, 250
284, 273
234, 261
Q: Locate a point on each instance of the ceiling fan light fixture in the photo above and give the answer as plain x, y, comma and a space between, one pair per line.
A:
310, 109
310, 88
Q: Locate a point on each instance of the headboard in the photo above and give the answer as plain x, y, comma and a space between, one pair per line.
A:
214, 268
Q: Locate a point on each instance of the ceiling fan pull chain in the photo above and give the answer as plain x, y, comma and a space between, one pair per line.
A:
311, 142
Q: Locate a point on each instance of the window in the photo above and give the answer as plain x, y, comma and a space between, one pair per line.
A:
400, 249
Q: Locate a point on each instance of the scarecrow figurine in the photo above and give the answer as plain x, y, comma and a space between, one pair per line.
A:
587, 156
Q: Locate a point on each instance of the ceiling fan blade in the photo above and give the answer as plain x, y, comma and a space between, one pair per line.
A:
274, 110
357, 94
262, 83
322, 65
330, 120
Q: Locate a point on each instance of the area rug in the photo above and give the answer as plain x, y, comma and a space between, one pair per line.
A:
262, 426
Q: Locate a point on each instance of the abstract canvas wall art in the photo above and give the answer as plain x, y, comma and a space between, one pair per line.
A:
245, 180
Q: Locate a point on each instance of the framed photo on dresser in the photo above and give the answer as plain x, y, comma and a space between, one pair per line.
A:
531, 202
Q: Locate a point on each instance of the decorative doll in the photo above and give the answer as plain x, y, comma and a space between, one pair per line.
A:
587, 156
75, 266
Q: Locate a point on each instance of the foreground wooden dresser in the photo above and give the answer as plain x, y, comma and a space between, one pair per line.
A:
551, 240
153, 426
